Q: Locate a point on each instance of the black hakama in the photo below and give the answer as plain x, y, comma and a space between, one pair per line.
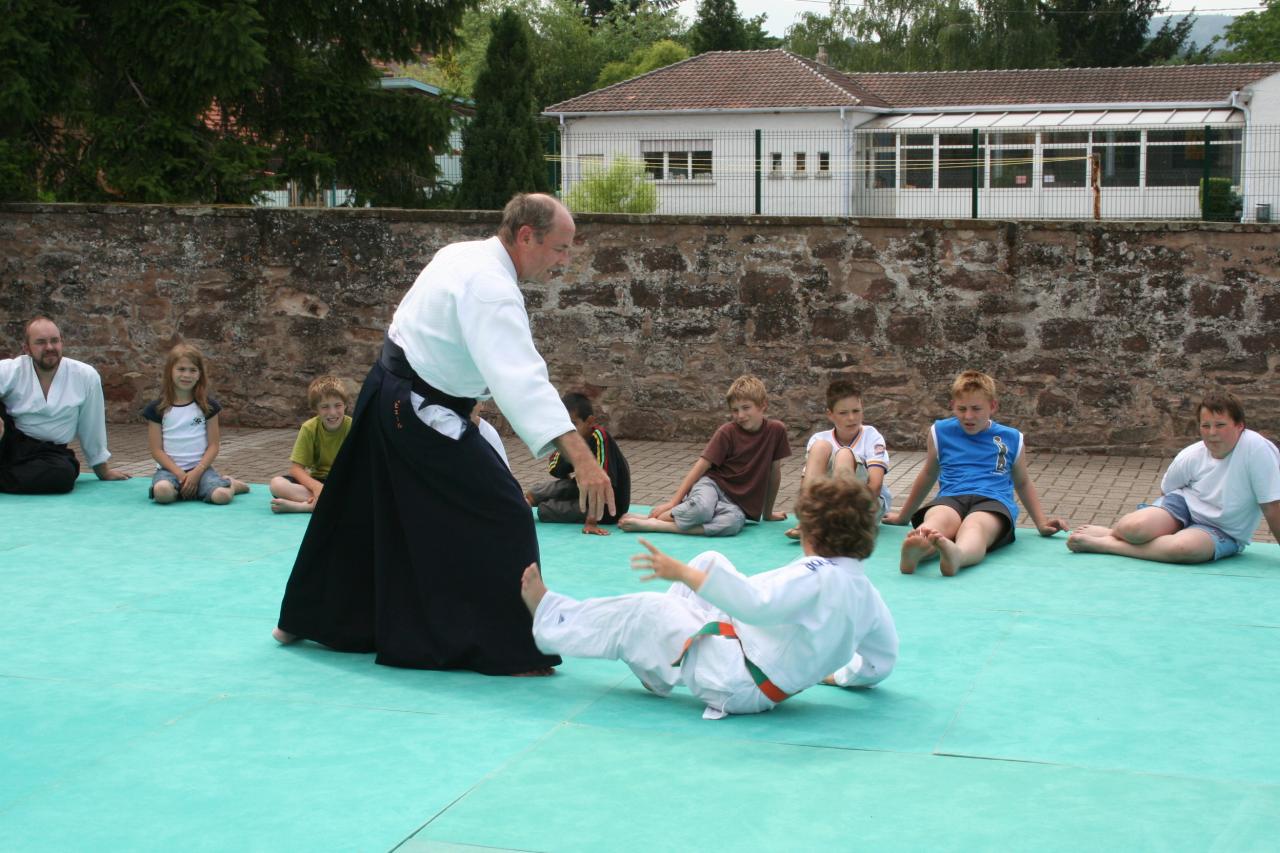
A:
416, 545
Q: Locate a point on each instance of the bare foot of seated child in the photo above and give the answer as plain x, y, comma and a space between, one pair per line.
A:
949, 554
915, 548
286, 505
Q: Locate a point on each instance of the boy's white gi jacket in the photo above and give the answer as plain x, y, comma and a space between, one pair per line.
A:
809, 619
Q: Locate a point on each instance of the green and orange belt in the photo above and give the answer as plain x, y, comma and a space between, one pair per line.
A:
725, 629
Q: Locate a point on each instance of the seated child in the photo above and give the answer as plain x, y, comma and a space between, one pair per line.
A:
851, 448
736, 477
741, 644
557, 499
981, 464
1213, 496
184, 435
316, 447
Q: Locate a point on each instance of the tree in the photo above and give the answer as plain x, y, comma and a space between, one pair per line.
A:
660, 54
192, 100
718, 26
598, 10
1108, 33
1254, 36
502, 152
622, 187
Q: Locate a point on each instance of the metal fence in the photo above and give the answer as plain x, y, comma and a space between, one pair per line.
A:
1225, 172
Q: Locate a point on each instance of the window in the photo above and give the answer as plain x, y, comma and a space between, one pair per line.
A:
775, 164
1011, 160
956, 160
1119, 154
1175, 158
824, 164
677, 159
880, 161
1066, 159
701, 162
800, 162
917, 161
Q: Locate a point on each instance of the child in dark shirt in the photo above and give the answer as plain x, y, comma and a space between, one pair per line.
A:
557, 499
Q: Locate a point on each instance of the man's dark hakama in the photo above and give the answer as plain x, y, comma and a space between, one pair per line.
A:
416, 545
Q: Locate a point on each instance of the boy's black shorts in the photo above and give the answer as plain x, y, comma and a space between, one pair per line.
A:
965, 504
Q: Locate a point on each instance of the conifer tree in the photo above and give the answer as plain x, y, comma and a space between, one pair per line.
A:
718, 26
502, 150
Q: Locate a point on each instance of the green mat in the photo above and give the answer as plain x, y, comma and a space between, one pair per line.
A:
1042, 700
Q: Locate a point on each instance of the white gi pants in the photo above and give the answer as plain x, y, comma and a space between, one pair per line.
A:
647, 630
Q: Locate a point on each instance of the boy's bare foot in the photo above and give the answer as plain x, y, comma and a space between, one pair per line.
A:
594, 529
530, 499
239, 487
914, 549
948, 552
632, 523
793, 533
283, 637
532, 589
1090, 539
286, 505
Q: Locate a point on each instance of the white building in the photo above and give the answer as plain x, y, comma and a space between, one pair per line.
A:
774, 133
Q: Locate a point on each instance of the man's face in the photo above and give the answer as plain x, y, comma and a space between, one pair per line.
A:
747, 414
44, 345
973, 411
539, 259
1220, 432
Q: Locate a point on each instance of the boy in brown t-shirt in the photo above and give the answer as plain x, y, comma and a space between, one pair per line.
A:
734, 479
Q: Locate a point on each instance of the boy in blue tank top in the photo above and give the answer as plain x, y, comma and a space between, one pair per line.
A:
981, 464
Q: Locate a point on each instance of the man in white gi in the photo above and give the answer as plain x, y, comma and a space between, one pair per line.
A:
46, 400
742, 644
421, 532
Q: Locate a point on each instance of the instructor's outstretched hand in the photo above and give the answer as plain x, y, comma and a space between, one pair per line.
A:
595, 492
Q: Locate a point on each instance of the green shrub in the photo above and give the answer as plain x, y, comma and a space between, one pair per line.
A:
1218, 202
621, 187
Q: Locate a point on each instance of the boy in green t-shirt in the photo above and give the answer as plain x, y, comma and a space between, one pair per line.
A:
316, 447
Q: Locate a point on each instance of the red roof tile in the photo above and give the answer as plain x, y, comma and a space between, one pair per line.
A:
779, 79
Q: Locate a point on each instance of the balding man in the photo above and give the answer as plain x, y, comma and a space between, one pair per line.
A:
417, 543
46, 400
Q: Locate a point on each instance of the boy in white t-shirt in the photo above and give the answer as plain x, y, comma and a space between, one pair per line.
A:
851, 448
1214, 494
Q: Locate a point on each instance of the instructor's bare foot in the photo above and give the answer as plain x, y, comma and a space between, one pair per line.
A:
283, 637
948, 553
914, 549
532, 589
535, 673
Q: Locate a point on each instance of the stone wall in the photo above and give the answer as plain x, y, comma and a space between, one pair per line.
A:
1101, 335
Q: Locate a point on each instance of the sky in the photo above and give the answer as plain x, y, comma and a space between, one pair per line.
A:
782, 13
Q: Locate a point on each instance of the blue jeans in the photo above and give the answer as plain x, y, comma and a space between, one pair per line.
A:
1176, 505
209, 481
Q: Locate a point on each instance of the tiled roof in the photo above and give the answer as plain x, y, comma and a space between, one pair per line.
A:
779, 79
1167, 83
720, 80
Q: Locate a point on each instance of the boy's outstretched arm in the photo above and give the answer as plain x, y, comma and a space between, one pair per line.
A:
667, 568
920, 487
775, 480
700, 468
1031, 498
